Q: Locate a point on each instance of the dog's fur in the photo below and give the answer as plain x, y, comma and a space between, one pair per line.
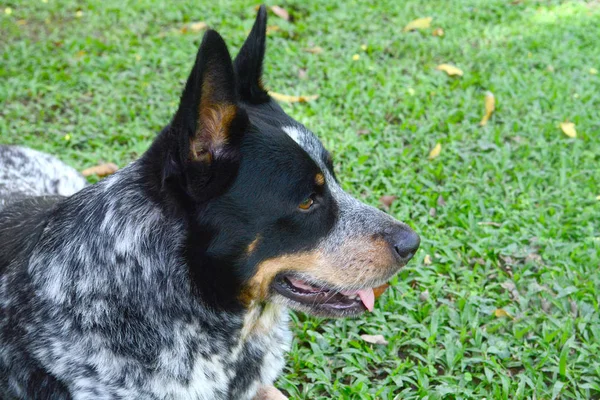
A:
167, 279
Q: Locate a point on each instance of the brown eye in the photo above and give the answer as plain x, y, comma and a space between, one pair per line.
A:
306, 204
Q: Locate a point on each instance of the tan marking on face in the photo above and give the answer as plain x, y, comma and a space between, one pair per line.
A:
320, 179
357, 261
252, 246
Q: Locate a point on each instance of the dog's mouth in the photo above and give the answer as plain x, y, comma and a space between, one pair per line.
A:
325, 301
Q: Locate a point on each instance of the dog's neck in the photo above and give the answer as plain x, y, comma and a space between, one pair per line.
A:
120, 246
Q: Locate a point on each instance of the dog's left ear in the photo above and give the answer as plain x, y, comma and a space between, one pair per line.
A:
249, 62
206, 132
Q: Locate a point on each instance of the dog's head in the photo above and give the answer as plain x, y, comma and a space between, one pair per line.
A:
267, 219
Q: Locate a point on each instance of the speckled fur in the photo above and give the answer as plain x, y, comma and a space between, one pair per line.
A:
87, 294
25, 172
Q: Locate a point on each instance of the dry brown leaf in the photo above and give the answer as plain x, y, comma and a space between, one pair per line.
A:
280, 12
568, 129
441, 201
293, 99
435, 152
21, 22
374, 339
101, 170
314, 50
490, 106
501, 313
362, 132
272, 29
379, 290
438, 32
427, 259
198, 26
194, 27
450, 69
419, 23
387, 200
490, 223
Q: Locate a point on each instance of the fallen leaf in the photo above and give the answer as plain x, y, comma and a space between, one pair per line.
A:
272, 28
450, 69
101, 170
490, 106
574, 309
435, 152
440, 201
21, 22
80, 54
546, 306
427, 259
374, 339
438, 32
314, 50
419, 23
378, 291
280, 12
362, 132
489, 223
511, 288
501, 313
302, 73
198, 26
387, 201
424, 296
432, 212
568, 129
293, 99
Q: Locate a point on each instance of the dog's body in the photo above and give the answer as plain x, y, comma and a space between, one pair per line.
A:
26, 173
170, 279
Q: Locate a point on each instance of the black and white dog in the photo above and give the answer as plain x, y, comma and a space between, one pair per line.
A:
170, 279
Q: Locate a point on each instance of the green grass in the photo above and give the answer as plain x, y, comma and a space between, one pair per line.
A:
98, 87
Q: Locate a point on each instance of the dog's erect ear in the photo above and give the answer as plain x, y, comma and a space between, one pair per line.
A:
208, 126
249, 62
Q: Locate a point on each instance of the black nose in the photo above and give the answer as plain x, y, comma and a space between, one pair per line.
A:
405, 242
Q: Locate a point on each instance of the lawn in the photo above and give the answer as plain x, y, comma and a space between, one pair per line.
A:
502, 300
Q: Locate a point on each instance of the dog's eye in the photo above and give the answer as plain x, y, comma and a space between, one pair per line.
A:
307, 203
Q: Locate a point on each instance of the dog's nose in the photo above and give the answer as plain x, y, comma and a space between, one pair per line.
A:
404, 241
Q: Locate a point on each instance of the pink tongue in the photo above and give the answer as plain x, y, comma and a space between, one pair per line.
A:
368, 298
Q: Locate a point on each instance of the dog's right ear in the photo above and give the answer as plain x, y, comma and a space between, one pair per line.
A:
249, 62
206, 132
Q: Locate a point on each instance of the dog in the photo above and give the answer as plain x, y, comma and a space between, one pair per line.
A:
26, 173
171, 279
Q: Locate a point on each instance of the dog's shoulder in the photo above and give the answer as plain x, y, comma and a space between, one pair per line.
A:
21, 224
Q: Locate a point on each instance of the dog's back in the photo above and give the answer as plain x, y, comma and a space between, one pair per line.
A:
27, 173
